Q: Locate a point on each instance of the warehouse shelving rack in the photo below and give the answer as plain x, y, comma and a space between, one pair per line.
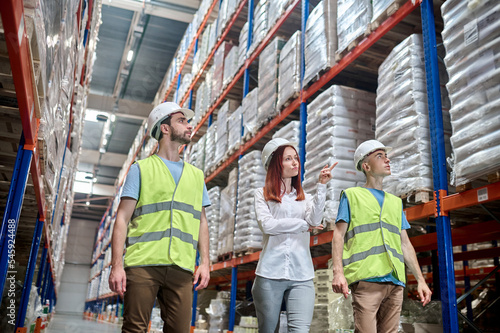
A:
25, 202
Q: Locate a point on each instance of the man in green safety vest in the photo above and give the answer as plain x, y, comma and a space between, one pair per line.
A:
161, 220
370, 246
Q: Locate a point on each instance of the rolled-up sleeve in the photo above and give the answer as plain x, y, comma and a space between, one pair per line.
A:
316, 205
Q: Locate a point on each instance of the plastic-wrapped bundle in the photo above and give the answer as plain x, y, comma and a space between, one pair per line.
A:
353, 21
472, 43
207, 98
338, 120
341, 313
247, 234
227, 213
289, 70
403, 118
260, 24
380, 6
276, 10
320, 39
243, 41
268, 81
290, 132
230, 66
213, 218
234, 131
222, 128
218, 311
249, 113
227, 9
196, 153
199, 103
218, 67
211, 140
183, 88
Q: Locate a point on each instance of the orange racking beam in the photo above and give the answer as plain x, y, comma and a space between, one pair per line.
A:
468, 255
472, 197
249, 275
421, 211
475, 273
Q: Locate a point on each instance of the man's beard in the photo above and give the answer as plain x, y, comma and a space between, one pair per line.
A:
179, 137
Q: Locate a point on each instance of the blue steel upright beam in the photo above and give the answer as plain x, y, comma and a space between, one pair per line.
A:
443, 228
178, 86
232, 302
12, 212
303, 105
41, 269
30, 272
190, 105
246, 75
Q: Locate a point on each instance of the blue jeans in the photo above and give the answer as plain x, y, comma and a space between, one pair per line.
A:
268, 295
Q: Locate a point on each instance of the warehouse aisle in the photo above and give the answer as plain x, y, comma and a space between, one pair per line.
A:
61, 323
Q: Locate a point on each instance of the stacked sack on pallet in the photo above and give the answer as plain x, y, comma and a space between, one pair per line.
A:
226, 11
234, 131
403, 118
320, 39
218, 66
249, 114
230, 66
268, 81
472, 43
289, 71
213, 219
218, 312
247, 234
200, 105
184, 86
276, 9
353, 21
338, 120
210, 143
260, 24
195, 153
290, 132
243, 42
227, 213
223, 130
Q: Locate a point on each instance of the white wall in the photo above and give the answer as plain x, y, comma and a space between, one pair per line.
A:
74, 281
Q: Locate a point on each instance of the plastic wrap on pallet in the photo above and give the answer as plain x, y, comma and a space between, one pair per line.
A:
227, 9
403, 118
227, 214
183, 88
472, 43
268, 81
249, 113
247, 234
234, 131
213, 218
260, 24
230, 66
338, 120
222, 128
290, 132
243, 40
379, 7
211, 140
195, 153
353, 21
218, 312
218, 67
320, 39
289, 70
276, 10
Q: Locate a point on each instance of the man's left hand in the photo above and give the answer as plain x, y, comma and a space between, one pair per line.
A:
424, 293
203, 275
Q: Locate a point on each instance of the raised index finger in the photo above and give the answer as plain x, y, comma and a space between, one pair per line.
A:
333, 165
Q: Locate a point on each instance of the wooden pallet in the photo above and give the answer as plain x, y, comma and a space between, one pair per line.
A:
386, 13
246, 252
341, 53
316, 77
418, 196
225, 257
328, 226
289, 101
490, 178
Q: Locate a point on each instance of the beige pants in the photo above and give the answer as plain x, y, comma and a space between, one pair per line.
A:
171, 285
377, 307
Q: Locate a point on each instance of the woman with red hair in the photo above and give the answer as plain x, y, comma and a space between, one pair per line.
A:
286, 215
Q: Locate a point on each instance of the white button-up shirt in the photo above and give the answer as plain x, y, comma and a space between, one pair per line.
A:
285, 244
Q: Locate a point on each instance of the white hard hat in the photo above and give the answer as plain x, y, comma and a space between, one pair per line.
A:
365, 149
160, 113
271, 147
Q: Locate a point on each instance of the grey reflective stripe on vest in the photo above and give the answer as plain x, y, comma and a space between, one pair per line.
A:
157, 235
371, 227
166, 205
374, 250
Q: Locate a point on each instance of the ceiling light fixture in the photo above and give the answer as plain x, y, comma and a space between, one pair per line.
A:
130, 55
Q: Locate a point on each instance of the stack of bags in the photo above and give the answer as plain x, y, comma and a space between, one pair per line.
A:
249, 113
243, 42
213, 218
226, 11
230, 66
290, 132
218, 67
234, 131
338, 120
222, 129
183, 88
247, 324
218, 312
403, 118
276, 10
353, 21
195, 153
260, 24
379, 8
211, 140
289, 70
320, 39
227, 212
472, 43
247, 234
324, 295
199, 105
268, 81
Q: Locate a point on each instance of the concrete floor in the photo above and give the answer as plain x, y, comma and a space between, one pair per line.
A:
62, 323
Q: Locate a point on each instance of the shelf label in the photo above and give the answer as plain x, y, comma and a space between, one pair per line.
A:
20, 32
482, 194
315, 240
225, 264
241, 260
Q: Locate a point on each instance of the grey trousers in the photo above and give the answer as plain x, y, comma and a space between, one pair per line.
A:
268, 295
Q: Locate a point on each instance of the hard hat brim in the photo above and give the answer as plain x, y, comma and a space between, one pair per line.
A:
290, 143
386, 149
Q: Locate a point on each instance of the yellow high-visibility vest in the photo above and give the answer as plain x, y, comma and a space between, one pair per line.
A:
165, 225
372, 244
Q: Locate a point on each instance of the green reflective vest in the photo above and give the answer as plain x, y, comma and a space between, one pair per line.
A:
165, 225
372, 244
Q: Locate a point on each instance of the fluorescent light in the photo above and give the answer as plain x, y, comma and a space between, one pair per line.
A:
82, 187
88, 203
130, 55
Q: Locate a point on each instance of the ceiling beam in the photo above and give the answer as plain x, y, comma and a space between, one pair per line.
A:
126, 107
177, 10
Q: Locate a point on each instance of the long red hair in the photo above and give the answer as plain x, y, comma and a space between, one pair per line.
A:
274, 182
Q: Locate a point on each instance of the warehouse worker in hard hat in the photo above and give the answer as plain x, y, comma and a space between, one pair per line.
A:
370, 246
285, 214
161, 219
